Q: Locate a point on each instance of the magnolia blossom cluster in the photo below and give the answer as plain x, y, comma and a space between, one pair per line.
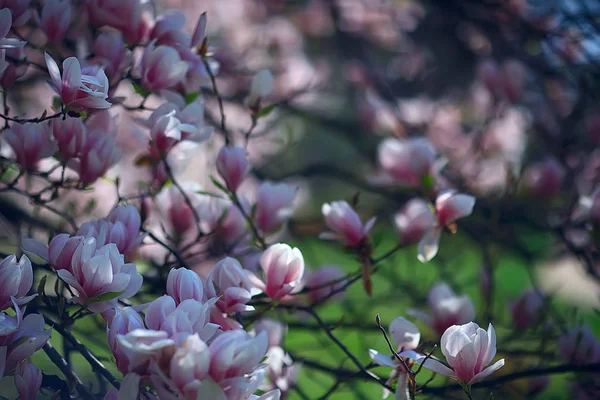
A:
20, 335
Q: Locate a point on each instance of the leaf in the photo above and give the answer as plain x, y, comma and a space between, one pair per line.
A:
140, 90
205, 193
265, 111
105, 297
218, 184
167, 183
56, 102
427, 182
191, 97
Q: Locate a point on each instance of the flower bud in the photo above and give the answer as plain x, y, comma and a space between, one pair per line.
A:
260, 88
345, 224
405, 334
168, 29
321, 282
70, 135
110, 53
526, 310
189, 366
28, 380
122, 321
579, 346
283, 269
233, 166
544, 179
184, 284
235, 354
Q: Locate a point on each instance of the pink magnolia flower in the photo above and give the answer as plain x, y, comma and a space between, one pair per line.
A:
321, 282
275, 330
70, 135
167, 130
99, 154
28, 380
229, 282
260, 88
446, 308
19, 10
468, 350
234, 355
121, 321
526, 310
76, 89
184, 284
173, 207
233, 166
59, 253
283, 268
579, 346
273, 205
141, 346
99, 276
125, 15
189, 366
6, 22
14, 67
223, 221
129, 217
110, 53
30, 143
405, 335
168, 29
544, 179
161, 68
345, 224
414, 220
449, 206
514, 80
190, 114
183, 320
106, 231
406, 161
20, 338
55, 19
489, 73
16, 278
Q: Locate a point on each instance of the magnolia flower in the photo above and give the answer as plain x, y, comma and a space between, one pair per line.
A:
99, 154
261, 87
449, 206
414, 220
273, 205
406, 161
99, 276
579, 346
168, 29
283, 268
526, 310
16, 278
275, 330
405, 335
189, 367
70, 135
141, 346
59, 253
447, 309
19, 9
234, 356
184, 284
544, 179
13, 66
320, 282
230, 284
7, 43
30, 143
160, 68
345, 224
28, 380
183, 320
174, 208
76, 89
468, 350
233, 166
121, 321
223, 221
55, 19
110, 52
125, 15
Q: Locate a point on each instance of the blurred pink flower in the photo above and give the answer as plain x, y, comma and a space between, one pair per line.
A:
14, 67
579, 346
173, 207
233, 166
168, 29
19, 9
160, 68
273, 205
30, 143
125, 15
55, 19
321, 282
345, 224
405, 335
99, 154
414, 220
260, 88
76, 89
110, 53
526, 309
6, 23
406, 161
70, 135
544, 179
